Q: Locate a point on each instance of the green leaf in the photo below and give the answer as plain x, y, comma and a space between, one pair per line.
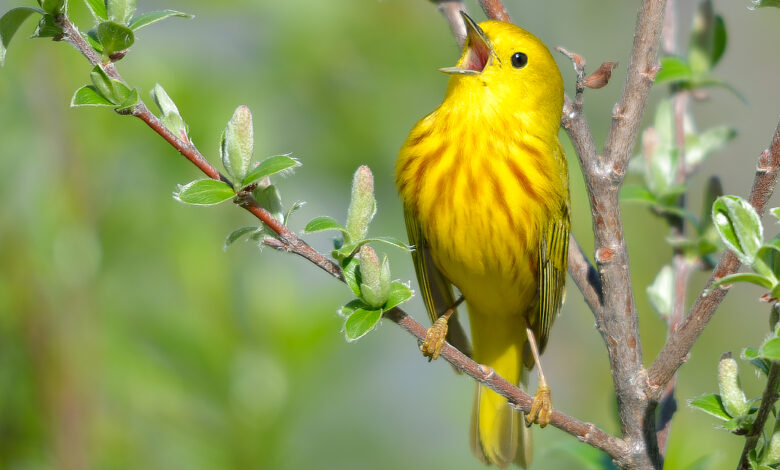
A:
389, 241
102, 83
270, 166
47, 28
710, 404
129, 103
93, 41
114, 37
742, 277
765, 3
771, 349
720, 41
120, 11
775, 211
362, 204
361, 322
323, 224
673, 69
171, 118
271, 200
701, 44
661, 290
238, 143
700, 146
204, 192
98, 9
237, 234
349, 308
10, 23
350, 268
88, 96
52, 6
739, 226
399, 293
145, 19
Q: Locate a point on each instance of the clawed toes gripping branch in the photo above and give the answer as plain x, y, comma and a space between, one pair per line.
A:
671, 150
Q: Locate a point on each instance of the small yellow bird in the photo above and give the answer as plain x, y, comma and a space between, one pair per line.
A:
484, 184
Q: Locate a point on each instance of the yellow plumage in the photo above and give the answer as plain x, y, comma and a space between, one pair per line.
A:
484, 185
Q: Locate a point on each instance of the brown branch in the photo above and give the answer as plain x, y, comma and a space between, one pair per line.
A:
495, 10
679, 344
451, 10
768, 399
586, 432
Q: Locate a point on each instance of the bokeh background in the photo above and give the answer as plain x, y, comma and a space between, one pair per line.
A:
130, 339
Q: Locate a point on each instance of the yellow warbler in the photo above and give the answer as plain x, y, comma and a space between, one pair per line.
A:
484, 184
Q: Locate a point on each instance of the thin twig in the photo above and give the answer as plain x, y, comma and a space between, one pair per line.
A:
768, 399
451, 10
586, 432
679, 344
495, 10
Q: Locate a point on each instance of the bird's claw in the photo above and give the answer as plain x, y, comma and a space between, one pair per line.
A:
541, 408
434, 339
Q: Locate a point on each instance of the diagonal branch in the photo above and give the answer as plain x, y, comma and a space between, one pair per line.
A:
679, 344
768, 399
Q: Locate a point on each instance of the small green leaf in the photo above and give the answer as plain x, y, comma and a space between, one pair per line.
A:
710, 404
750, 354
52, 6
145, 19
120, 11
720, 41
771, 349
88, 96
270, 199
775, 211
742, 277
129, 103
362, 204
237, 234
765, 3
399, 293
98, 9
702, 41
102, 83
739, 226
350, 268
349, 308
204, 192
389, 241
661, 290
47, 28
114, 37
323, 224
93, 41
270, 166
673, 69
171, 118
700, 146
238, 141
361, 322
10, 23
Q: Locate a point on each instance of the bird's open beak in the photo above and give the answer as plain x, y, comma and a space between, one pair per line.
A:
477, 54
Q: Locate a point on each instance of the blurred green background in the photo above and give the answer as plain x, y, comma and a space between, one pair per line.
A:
129, 339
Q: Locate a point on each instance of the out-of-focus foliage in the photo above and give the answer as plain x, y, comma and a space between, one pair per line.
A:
128, 339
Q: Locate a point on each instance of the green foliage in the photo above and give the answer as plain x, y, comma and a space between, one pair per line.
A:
10, 23
105, 91
120, 11
237, 144
739, 226
145, 19
114, 37
278, 164
204, 192
765, 3
170, 116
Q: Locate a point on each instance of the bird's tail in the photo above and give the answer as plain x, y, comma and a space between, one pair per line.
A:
498, 432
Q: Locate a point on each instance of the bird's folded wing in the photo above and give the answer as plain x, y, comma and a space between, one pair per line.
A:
435, 289
553, 252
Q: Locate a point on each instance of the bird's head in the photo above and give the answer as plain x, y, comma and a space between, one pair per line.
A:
506, 67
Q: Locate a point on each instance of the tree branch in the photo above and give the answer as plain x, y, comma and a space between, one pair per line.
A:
451, 10
768, 399
495, 10
679, 344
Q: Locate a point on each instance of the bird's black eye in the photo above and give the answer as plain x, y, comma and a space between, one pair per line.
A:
519, 60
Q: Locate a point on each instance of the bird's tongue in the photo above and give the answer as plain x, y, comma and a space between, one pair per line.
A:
478, 56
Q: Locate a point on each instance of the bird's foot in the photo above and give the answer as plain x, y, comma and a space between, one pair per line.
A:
434, 338
541, 408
